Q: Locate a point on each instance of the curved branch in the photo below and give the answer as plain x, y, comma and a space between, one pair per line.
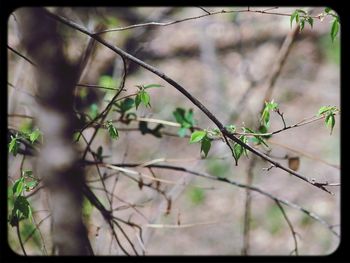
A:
194, 100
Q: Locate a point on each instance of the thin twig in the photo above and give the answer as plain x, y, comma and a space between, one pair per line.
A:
294, 234
182, 90
225, 180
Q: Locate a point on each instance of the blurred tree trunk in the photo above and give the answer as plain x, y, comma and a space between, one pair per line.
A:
57, 164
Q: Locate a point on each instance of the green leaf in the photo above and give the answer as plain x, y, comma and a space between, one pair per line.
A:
302, 24
113, 132
182, 132
13, 145
22, 206
17, 188
197, 136
238, 150
152, 86
33, 136
310, 20
137, 100
330, 121
107, 82
189, 117
179, 115
126, 104
335, 29
27, 173
31, 184
205, 146
145, 98
292, 17
327, 9
259, 139
93, 111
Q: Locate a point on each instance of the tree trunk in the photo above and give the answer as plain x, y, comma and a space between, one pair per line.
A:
57, 164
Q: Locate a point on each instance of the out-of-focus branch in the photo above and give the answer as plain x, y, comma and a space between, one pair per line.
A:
57, 165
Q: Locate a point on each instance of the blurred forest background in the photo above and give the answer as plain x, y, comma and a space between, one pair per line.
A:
224, 60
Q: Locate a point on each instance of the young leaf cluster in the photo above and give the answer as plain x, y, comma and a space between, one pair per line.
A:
21, 207
329, 112
265, 115
202, 137
300, 16
185, 119
143, 96
31, 136
112, 130
335, 22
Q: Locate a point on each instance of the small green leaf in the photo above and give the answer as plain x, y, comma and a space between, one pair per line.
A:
238, 150
21, 204
152, 86
302, 24
189, 117
13, 145
182, 132
17, 188
205, 145
292, 17
327, 9
179, 115
335, 28
323, 109
137, 100
330, 121
113, 132
126, 104
93, 111
34, 135
107, 82
310, 20
197, 136
145, 98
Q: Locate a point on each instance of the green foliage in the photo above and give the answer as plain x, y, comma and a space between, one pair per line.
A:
197, 136
14, 144
217, 167
93, 111
335, 28
197, 195
185, 119
34, 135
202, 136
21, 207
143, 96
238, 149
274, 219
300, 16
329, 113
108, 82
30, 135
335, 22
125, 105
256, 139
112, 130
330, 48
265, 116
